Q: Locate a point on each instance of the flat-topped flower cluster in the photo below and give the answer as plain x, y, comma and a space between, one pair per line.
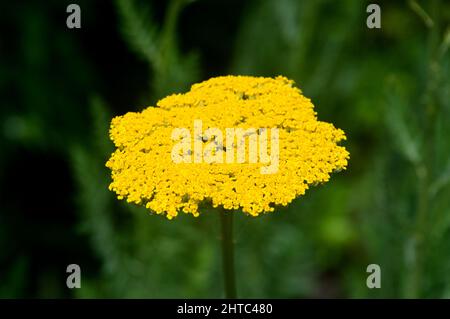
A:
144, 172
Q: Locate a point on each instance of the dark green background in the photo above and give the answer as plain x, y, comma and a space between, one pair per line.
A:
387, 88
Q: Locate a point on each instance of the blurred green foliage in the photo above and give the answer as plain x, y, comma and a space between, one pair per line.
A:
388, 88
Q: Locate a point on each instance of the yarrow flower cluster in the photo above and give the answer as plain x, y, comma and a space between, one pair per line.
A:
144, 173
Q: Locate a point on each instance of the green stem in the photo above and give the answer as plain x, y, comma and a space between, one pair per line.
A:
419, 234
226, 221
424, 169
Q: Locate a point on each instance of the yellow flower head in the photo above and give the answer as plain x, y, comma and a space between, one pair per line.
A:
239, 142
